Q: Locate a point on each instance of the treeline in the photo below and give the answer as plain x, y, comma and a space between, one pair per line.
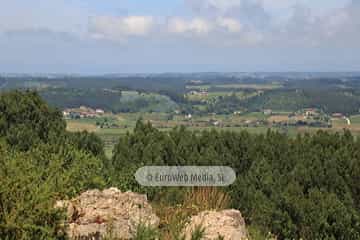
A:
72, 98
329, 100
141, 83
332, 95
225, 105
302, 188
110, 100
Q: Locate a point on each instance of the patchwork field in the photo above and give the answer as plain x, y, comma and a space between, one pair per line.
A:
237, 86
215, 95
111, 127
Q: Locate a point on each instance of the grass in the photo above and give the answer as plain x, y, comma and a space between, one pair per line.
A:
279, 118
250, 86
173, 218
144, 232
215, 95
255, 116
76, 126
198, 233
207, 198
109, 151
269, 86
355, 119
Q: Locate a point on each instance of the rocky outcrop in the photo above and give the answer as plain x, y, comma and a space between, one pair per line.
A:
226, 224
95, 214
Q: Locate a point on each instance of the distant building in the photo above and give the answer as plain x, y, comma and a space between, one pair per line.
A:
202, 92
188, 116
66, 113
100, 111
267, 111
337, 115
83, 108
82, 112
196, 81
310, 112
215, 123
193, 92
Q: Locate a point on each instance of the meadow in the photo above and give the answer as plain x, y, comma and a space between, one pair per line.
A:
251, 122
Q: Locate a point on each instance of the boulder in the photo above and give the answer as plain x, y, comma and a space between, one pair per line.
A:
96, 214
226, 224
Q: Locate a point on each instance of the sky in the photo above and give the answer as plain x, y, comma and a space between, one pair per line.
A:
139, 36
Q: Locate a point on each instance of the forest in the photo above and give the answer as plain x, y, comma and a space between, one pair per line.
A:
296, 188
281, 92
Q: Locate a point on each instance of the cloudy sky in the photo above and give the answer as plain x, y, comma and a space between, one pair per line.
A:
120, 36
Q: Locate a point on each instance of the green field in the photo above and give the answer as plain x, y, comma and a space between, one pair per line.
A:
125, 122
355, 119
237, 86
214, 95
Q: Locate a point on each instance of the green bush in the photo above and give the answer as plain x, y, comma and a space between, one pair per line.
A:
31, 182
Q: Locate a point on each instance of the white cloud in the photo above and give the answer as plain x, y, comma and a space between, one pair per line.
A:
196, 25
232, 21
223, 5
335, 23
200, 26
177, 25
338, 26
220, 31
120, 27
230, 24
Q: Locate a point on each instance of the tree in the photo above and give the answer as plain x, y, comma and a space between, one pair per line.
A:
26, 119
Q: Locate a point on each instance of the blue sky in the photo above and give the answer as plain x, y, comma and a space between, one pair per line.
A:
118, 36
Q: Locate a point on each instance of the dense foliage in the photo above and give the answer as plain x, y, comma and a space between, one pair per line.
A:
226, 105
329, 100
26, 119
298, 188
40, 163
73, 98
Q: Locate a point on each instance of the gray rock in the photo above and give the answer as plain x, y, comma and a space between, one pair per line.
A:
96, 214
228, 224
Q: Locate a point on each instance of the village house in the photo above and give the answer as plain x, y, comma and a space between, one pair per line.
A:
82, 112
99, 111
202, 92
237, 112
188, 116
310, 112
267, 111
214, 122
337, 115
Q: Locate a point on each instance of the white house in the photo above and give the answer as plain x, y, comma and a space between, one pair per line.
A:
99, 111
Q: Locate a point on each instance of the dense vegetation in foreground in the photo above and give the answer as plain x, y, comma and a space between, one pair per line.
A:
305, 187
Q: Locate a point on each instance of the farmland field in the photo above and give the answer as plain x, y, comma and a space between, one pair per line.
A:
237, 86
125, 122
